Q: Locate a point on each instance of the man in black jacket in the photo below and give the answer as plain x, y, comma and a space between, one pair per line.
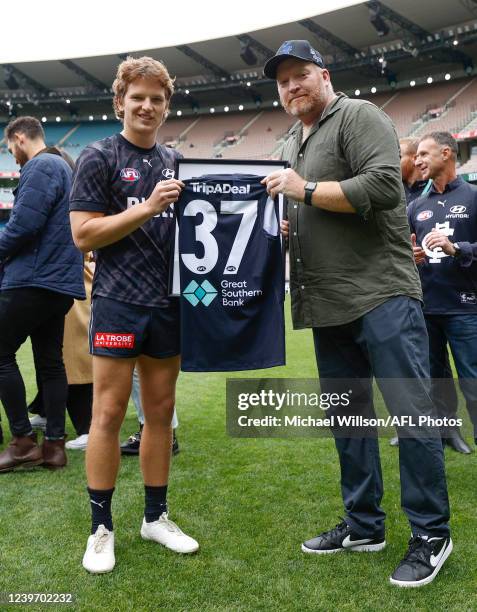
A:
42, 272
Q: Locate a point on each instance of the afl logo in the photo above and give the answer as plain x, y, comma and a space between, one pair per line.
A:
167, 173
424, 215
458, 210
130, 175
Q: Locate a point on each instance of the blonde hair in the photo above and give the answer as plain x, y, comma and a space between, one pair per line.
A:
135, 68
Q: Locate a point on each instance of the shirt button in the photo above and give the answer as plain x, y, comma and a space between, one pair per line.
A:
295, 206
300, 155
303, 286
298, 260
294, 233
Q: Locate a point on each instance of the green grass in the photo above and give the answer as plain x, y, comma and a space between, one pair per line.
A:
250, 503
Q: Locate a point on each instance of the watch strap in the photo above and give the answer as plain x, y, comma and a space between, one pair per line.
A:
309, 189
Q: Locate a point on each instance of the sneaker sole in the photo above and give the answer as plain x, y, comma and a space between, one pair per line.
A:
424, 581
22, 466
106, 571
360, 548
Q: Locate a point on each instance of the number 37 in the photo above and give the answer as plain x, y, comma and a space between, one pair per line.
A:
203, 234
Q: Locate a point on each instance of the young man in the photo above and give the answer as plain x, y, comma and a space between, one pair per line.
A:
120, 203
41, 273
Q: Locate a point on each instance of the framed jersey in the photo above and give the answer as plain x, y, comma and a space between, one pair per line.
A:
229, 266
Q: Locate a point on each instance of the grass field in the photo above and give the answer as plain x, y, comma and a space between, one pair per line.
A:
250, 503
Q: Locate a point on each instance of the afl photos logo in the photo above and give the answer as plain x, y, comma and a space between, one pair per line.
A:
130, 175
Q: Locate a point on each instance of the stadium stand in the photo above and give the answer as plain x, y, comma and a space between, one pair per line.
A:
454, 114
86, 133
175, 130
261, 138
408, 106
207, 133
258, 134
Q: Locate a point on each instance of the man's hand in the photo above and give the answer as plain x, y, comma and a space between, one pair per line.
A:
165, 193
287, 182
285, 227
419, 253
437, 239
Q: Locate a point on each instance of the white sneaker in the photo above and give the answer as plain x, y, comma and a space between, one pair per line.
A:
99, 555
38, 422
168, 533
79, 443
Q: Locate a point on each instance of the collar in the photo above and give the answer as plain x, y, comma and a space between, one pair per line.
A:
457, 182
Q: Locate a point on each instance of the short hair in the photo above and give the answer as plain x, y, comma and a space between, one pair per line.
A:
135, 68
445, 139
30, 126
411, 145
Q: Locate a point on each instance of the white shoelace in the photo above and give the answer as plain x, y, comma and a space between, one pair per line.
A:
170, 525
100, 538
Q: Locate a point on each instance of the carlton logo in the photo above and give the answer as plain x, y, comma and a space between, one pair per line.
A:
116, 340
424, 215
130, 175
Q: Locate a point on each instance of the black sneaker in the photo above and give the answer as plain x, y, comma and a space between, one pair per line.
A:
131, 446
422, 561
175, 443
341, 538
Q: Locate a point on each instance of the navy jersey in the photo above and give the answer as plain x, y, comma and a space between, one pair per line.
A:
449, 284
231, 275
110, 176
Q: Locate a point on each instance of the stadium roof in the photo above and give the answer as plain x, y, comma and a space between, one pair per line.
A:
413, 41
102, 28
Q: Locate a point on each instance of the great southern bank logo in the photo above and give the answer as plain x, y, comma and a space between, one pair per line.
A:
195, 293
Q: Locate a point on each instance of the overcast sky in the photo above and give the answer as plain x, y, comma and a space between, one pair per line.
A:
55, 29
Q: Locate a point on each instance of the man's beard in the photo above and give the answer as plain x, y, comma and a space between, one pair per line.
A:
314, 101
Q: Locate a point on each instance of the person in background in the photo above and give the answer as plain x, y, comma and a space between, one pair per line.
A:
42, 275
79, 368
444, 392
131, 445
444, 222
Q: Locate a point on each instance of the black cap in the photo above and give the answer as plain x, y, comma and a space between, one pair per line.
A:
301, 49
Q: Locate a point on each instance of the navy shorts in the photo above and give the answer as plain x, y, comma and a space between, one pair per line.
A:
118, 329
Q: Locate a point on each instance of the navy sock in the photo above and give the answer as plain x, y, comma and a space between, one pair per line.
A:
156, 502
101, 508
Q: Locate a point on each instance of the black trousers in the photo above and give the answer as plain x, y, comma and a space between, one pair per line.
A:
79, 404
40, 315
390, 343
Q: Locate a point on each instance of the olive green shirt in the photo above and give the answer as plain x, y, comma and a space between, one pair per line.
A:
344, 265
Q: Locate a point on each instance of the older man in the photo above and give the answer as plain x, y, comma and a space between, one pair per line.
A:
445, 223
444, 391
354, 282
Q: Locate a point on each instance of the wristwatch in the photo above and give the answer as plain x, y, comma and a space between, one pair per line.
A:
309, 189
458, 250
